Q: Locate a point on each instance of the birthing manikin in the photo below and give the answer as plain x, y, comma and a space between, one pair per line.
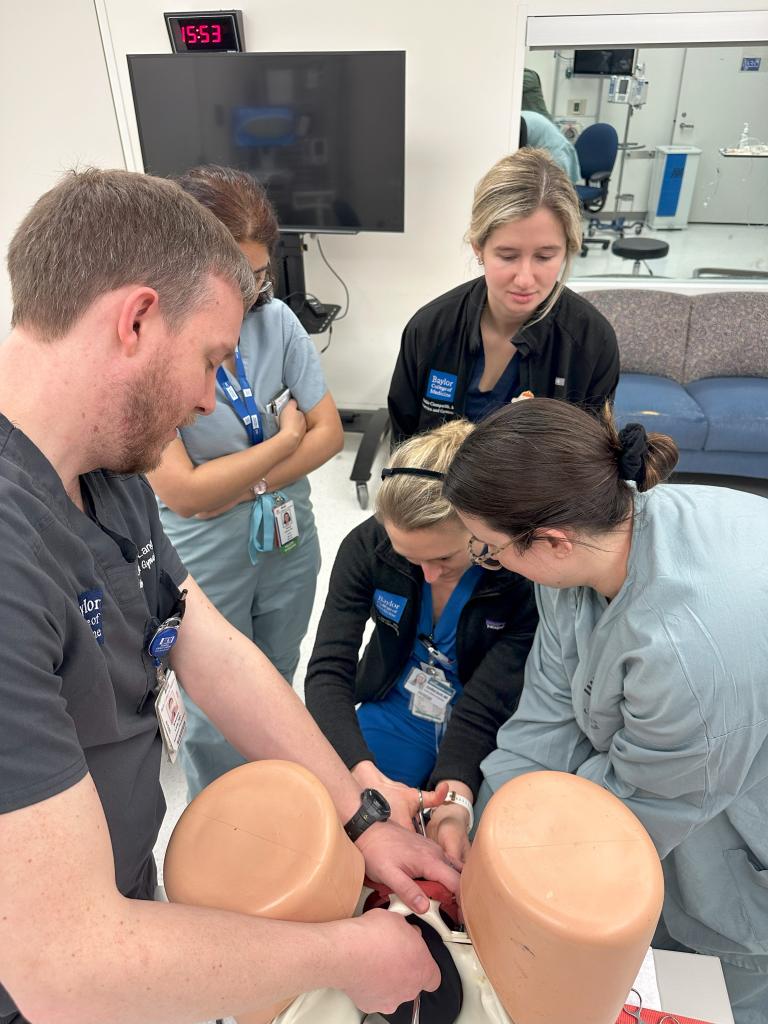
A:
561, 892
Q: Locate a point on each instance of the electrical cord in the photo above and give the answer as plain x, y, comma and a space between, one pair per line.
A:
338, 278
330, 337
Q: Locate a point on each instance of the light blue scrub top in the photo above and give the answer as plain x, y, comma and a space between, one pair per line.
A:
277, 353
661, 696
543, 134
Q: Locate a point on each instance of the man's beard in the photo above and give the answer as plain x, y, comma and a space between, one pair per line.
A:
148, 418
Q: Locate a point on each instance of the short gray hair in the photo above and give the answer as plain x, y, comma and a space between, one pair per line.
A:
99, 230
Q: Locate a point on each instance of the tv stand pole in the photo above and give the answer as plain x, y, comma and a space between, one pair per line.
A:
373, 424
290, 282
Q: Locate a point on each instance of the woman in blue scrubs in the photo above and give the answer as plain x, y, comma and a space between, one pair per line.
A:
649, 671
444, 665
233, 487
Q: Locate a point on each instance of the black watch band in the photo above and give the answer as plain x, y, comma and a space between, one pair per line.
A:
373, 808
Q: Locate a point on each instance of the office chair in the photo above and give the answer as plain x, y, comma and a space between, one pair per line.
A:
596, 148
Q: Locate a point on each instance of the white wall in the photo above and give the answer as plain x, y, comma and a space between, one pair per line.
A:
462, 69
55, 108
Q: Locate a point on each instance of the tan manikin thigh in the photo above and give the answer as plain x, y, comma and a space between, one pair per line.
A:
265, 839
561, 894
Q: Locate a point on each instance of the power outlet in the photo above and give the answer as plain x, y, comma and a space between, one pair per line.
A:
577, 107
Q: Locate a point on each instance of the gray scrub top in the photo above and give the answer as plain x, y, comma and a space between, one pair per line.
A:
277, 353
77, 605
661, 696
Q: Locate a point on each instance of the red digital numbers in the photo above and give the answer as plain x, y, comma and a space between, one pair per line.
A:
201, 33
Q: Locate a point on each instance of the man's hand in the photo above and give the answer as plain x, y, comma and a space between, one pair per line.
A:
395, 856
402, 799
448, 827
391, 964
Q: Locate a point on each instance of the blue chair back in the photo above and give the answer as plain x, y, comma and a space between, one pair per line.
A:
596, 149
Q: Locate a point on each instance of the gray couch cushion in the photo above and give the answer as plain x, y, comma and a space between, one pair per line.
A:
651, 328
728, 336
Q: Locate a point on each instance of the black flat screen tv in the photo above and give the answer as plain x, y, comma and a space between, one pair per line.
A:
323, 132
603, 62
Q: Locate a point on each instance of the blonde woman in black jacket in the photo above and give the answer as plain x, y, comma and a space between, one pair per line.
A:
444, 665
517, 328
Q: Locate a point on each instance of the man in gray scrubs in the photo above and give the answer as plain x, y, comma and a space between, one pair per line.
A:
127, 295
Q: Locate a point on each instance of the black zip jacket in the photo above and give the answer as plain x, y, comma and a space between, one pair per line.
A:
493, 637
571, 354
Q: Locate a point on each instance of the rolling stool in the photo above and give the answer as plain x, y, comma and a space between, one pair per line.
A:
640, 250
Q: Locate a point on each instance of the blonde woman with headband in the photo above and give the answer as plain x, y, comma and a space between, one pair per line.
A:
517, 328
443, 668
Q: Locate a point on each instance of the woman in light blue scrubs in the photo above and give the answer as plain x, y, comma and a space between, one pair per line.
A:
649, 671
233, 486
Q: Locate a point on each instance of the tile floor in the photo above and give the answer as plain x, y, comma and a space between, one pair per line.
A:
699, 245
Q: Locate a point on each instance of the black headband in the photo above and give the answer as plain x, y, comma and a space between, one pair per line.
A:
634, 447
431, 474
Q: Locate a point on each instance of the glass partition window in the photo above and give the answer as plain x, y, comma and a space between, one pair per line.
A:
690, 172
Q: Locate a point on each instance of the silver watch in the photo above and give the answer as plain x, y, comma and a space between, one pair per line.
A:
261, 487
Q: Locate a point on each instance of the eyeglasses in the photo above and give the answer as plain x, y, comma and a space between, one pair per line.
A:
485, 555
262, 279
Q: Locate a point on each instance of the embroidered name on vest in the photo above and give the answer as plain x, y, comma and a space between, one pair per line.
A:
91, 607
441, 386
389, 606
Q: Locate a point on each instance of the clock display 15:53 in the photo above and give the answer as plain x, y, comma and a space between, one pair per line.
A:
203, 33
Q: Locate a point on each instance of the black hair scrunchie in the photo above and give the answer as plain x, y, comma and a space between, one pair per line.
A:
634, 446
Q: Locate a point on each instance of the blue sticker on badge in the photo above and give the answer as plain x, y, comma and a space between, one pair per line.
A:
91, 607
441, 386
163, 641
494, 624
391, 606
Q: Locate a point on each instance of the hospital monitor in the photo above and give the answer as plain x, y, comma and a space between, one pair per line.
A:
323, 132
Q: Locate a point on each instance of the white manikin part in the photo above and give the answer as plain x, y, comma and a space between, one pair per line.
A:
481, 1005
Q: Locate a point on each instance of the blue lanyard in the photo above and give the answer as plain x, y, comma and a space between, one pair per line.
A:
443, 638
243, 402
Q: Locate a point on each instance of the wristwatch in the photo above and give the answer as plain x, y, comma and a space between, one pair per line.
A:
455, 798
373, 807
261, 487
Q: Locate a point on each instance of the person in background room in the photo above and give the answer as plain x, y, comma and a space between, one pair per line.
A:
649, 669
408, 568
233, 485
517, 328
533, 97
127, 295
541, 133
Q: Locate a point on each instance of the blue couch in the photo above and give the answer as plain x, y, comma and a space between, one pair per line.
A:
695, 367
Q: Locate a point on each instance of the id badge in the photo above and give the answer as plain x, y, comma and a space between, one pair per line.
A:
415, 679
430, 701
286, 526
171, 715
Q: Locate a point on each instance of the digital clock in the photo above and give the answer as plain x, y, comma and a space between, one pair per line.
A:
206, 31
